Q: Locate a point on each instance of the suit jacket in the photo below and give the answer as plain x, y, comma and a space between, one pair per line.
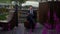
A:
34, 13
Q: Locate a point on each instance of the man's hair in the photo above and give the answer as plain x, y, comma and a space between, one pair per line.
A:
30, 6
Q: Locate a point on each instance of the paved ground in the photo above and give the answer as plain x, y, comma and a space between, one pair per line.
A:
8, 32
38, 30
21, 30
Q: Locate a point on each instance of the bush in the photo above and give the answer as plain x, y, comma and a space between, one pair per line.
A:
3, 17
3, 13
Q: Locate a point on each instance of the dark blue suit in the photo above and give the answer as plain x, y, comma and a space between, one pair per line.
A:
31, 18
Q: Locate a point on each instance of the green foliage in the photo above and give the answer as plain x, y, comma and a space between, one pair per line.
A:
21, 1
3, 10
5, 1
3, 13
3, 17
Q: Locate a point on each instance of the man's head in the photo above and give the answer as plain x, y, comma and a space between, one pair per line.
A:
30, 7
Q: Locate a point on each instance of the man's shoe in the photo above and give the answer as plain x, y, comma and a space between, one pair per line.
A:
32, 30
16, 25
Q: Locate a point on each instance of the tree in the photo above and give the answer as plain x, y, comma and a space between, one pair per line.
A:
21, 1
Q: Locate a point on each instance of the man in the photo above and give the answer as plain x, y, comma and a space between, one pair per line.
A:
31, 17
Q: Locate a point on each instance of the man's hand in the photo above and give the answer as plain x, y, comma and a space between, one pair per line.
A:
27, 14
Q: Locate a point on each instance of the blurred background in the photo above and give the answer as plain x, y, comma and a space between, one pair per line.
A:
7, 9
12, 9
